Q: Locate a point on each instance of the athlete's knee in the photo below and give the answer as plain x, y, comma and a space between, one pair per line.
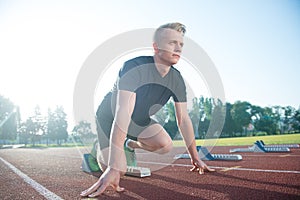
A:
165, 146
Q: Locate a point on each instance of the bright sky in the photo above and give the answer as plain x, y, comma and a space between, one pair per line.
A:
254, 45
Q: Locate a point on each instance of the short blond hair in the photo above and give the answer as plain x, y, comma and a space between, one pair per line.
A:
174, 26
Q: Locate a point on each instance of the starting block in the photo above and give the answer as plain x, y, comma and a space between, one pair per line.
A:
90, 165
281, 145
259, 147
205, 155
138, 171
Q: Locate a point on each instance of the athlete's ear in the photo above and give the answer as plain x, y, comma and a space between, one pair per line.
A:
155, 47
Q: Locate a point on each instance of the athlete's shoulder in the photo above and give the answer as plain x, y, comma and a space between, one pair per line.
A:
175, 71
140, 60
136, 62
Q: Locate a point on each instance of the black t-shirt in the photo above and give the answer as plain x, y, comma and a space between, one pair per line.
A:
139, 75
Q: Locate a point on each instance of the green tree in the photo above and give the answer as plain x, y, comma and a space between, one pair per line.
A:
57, 125
24, 136
203, 127
289, 112
40, 124
279, 117
241, 116
229, 124
32, 130
208, 107
211, 118
194, 114
266, 124
266, 119
296, 120
217, 118
205, 111
34, 127
82, 132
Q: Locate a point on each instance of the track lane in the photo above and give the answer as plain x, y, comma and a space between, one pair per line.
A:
59, 171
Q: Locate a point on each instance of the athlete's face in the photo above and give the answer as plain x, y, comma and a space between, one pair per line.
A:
169, 47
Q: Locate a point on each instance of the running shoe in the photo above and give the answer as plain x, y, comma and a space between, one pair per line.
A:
130, 155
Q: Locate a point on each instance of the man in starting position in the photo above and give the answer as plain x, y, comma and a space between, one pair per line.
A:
144, 85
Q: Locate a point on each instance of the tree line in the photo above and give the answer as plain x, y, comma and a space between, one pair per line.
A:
36, 128
210, 117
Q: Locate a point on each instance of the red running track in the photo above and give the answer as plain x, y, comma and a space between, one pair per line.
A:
57, 170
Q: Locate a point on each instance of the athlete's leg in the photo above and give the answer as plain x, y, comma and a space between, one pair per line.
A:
102, 148
153, 138
104, 120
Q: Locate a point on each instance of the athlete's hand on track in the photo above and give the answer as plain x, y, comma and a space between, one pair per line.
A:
110, 177
200, 167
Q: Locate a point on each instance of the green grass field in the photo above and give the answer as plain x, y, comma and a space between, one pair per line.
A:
239, 141
236, 141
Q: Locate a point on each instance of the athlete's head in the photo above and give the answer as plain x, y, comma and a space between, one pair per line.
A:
168, 43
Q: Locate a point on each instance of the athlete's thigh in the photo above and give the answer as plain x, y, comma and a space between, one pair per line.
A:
155, 135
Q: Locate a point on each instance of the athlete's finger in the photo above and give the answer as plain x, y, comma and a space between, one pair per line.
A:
197, 169
119, 189
194, 169
209, 169
90, 190
201, 170
101, 189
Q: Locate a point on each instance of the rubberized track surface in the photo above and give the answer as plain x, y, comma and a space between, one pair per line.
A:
257, 176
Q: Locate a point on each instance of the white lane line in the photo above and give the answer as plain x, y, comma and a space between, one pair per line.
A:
238, 169
266, 170
35, 185
264, 155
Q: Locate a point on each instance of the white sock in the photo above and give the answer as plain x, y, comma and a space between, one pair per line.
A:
126, 144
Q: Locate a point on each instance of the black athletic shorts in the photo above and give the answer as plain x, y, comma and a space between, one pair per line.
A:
105, 118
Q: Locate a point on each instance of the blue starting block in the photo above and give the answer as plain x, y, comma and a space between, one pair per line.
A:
204, 154
260, 147
281, 145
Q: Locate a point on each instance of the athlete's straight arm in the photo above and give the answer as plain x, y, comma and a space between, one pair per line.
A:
124, 109
186, 128
117, 160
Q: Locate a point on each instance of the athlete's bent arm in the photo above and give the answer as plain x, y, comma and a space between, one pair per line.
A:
186, 128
